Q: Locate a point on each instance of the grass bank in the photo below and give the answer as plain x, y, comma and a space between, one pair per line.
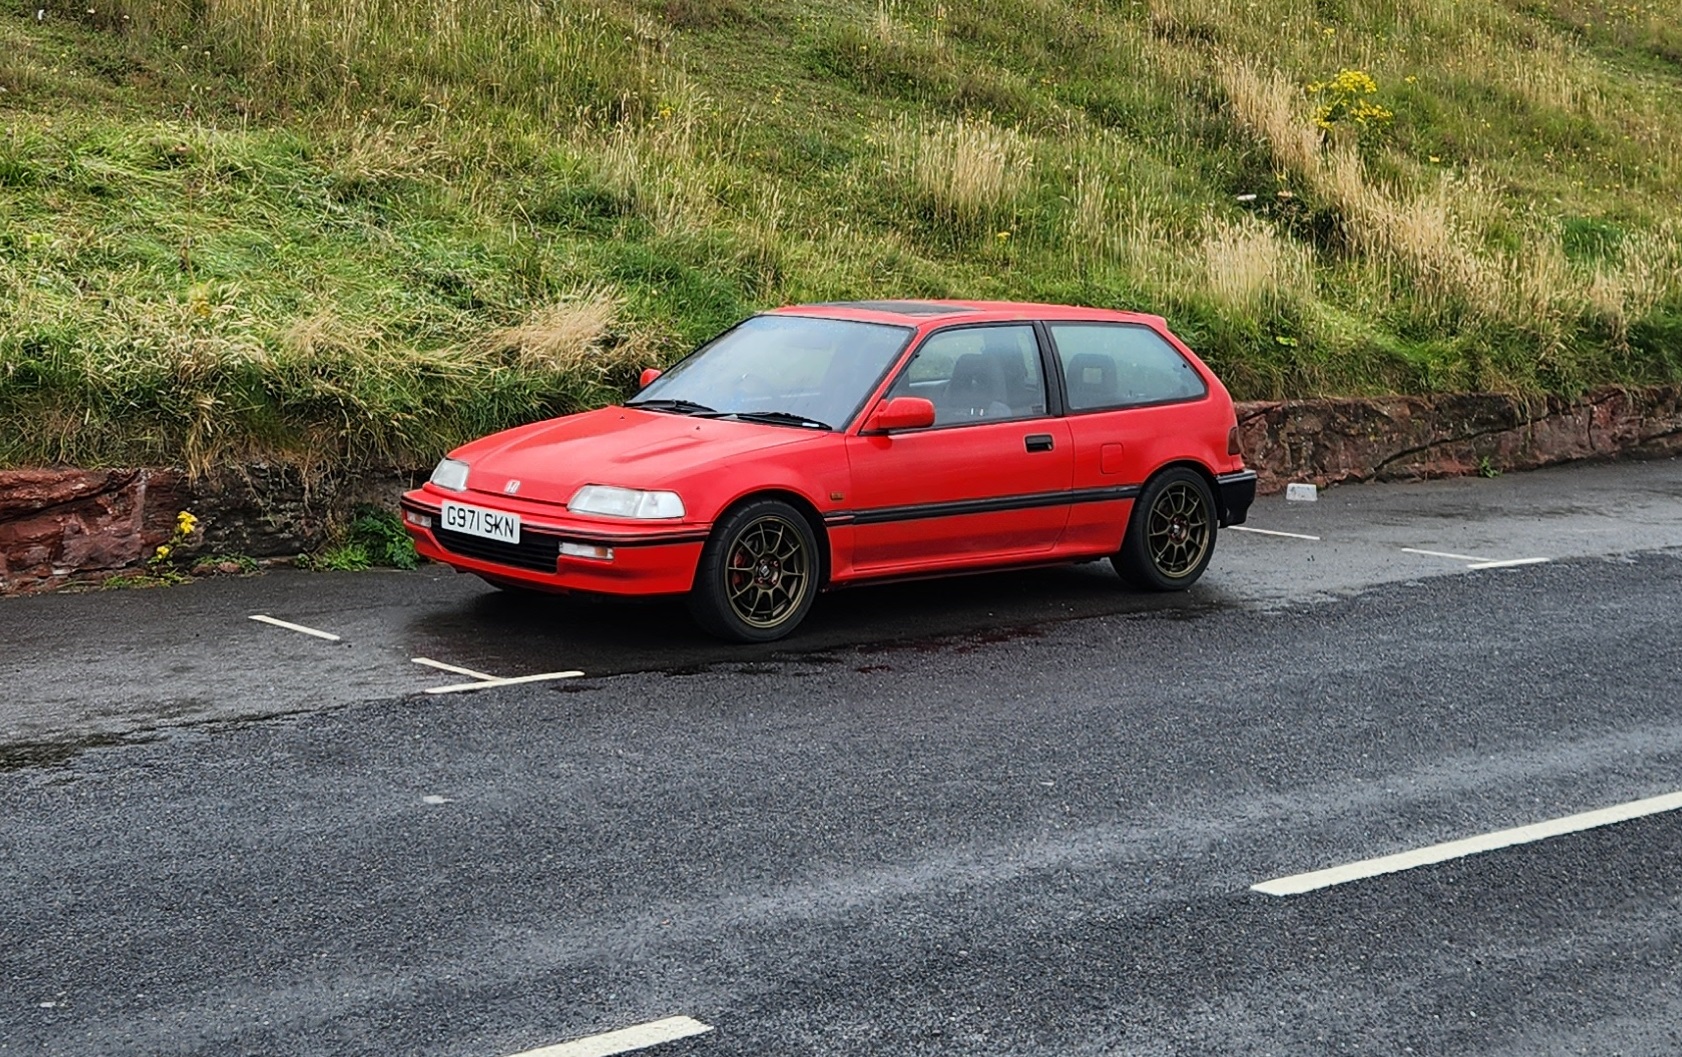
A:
356, 231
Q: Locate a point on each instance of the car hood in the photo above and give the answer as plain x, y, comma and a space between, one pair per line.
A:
616, 446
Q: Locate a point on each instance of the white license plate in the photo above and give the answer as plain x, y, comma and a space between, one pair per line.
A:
475, 521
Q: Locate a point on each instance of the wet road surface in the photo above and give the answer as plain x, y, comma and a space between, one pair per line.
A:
1017, 814
94, 666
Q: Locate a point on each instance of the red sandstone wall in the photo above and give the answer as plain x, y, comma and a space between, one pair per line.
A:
1405, 437
59, 523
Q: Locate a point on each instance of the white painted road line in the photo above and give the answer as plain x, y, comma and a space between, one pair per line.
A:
1271, 532
1442, 554
626, 1040
484, 684
1476, 562
295, 627
1458, 849
441, 666
1507, 564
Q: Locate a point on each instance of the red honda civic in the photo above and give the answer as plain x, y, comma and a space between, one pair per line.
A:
822, 446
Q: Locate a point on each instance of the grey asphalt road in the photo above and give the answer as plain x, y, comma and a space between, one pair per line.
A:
1010, 815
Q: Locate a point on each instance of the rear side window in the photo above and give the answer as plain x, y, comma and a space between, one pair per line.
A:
1121, 365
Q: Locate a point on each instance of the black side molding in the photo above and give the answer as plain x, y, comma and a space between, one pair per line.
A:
1236, 492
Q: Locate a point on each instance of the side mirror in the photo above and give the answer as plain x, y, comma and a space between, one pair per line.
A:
902, 412
648, 375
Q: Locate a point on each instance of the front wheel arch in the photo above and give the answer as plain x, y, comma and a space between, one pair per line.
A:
808, 510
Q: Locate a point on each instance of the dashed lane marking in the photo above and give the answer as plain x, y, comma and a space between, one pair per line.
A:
484, 684
265, 619
1297, 884
1272, 532
1445, 554
625, 1040
456, 669
1476, 562
1507, 564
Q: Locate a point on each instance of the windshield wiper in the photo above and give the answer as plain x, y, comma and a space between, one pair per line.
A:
781, 418
678, 407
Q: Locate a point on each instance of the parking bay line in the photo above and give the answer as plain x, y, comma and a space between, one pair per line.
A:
265, 619
485, 684
1508, 564
457, 669
1272, 532
1476, 562
625, 1040
1445, 554
1297, 884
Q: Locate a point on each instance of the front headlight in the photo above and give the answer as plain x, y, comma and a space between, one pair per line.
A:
451, 474
609, 501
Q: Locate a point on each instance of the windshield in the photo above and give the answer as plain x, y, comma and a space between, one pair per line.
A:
786, 370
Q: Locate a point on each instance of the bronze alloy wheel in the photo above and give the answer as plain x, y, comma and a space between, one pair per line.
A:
1170, 535
1177, 530
768, 571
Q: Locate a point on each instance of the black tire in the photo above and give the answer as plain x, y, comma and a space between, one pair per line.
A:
758, 573
1171, 533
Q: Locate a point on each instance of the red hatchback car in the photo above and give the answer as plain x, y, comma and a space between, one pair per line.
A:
822, 446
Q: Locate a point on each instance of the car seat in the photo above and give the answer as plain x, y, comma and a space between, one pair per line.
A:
1092, 380
1023, 392
977, 389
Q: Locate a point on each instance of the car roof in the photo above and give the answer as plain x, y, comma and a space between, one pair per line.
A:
922, 313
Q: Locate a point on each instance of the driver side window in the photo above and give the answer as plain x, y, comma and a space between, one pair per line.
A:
977, 374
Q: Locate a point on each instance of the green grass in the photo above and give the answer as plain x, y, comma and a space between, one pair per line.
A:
374, 537
360, 231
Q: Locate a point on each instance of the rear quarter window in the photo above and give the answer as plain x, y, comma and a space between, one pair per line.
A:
1108, 365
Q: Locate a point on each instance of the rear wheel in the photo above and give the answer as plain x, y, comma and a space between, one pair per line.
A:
758, 573
1171, 534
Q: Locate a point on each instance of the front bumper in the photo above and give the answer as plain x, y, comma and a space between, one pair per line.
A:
655, 560
1235, 493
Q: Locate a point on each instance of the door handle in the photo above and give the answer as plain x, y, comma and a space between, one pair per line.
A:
1037, 442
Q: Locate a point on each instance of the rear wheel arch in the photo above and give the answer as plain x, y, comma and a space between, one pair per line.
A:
1138, 561
1196, 467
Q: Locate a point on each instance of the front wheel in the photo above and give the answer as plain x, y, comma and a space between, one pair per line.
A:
1171, 534
758, 573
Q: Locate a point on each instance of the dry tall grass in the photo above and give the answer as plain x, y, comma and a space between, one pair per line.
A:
667, 165
453, 56
1118, 228
968, 171
1422, 235
579, 333
1550, 76
1431, 238
1248, 261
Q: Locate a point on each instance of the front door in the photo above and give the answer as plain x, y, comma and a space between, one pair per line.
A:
988, 482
